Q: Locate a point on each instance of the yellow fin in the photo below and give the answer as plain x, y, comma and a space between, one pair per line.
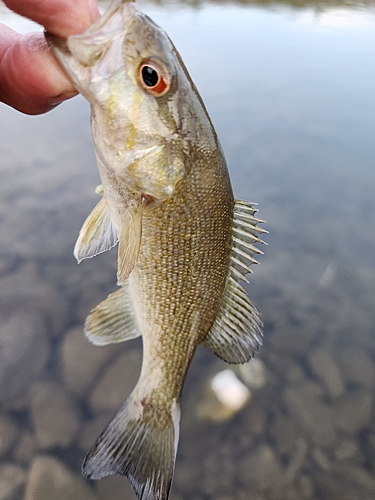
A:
98, 234
113, 320
237, 331
129, 243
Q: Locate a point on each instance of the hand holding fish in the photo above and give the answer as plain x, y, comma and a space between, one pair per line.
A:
31, 80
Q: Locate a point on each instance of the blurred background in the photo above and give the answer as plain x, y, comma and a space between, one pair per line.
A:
290, 88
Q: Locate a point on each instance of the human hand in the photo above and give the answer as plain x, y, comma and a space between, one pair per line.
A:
31, 79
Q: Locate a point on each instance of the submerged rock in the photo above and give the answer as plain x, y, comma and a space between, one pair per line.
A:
116, 383
253, 374
25, 290
80, 361
49, 479
91, 430
353, 413
55, 415
357, 366
26, 448
313, 417
24, 350
115, 488
8, 434
12, 479
324, 367
261, 470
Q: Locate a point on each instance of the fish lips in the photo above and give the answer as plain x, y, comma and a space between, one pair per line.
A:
79, 53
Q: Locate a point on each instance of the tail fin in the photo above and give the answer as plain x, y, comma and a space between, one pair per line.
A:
141, 444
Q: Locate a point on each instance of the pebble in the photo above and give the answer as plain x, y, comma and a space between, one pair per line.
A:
297, 460
261, 470
24, 351
353, 413
305, 487
255, 420
55, 415
345, 482
284, 434
347, 450
114, 488
321, 459
116, 382
26, 290
49, 479
326, 370
313, 416
357, 366
252, 374
8, 434
186, 474
30, 232
26, 448
12, 479
291, 339
80, 361
295, 374
91, 430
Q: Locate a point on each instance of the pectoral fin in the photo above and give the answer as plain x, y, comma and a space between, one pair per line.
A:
237, 331
98, 233
113, 320
130, 243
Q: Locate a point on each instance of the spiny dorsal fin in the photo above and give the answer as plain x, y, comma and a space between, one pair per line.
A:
97, 235
237, 331
113, 320
130, 242
245, 233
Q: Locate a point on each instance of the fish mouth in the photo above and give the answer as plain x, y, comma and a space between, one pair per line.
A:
79, 53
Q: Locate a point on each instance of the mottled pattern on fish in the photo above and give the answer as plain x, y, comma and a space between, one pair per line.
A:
181, 271
184, 243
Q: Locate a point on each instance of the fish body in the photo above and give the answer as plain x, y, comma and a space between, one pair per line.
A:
184, 242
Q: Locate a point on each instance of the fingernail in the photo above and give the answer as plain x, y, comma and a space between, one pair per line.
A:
54, 101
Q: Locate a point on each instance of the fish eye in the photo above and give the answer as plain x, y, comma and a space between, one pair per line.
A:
154, 77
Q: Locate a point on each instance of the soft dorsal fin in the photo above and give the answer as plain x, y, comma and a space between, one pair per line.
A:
98, 233
237, 330
130, 242
113, 320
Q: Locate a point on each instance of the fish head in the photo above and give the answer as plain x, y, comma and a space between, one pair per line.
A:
144, 104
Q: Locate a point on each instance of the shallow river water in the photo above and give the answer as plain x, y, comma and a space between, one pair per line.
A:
290, 88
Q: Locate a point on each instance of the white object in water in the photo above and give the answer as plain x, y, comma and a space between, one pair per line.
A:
230, 391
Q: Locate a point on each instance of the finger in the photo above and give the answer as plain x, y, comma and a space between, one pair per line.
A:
59, 17
31, 80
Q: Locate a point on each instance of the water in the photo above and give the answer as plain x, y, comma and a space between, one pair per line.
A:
290, 89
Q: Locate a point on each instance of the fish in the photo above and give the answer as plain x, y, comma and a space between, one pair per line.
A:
184, 243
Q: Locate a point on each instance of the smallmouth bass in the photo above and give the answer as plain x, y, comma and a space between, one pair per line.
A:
184, 243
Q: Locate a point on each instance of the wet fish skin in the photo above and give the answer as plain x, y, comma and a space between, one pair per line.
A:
184, 243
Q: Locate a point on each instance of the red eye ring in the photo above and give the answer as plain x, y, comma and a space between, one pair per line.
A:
154, 77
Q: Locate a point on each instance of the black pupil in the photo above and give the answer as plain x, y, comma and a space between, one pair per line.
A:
150, 76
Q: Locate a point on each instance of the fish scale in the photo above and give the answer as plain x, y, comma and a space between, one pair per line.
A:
184, 243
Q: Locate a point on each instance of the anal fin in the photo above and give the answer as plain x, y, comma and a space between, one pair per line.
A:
237, 330
113, 320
